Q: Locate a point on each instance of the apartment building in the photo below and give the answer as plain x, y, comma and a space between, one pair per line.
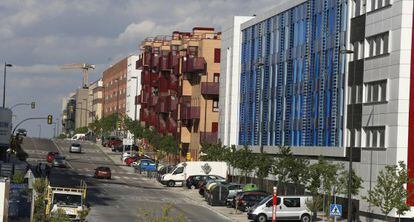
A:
95, 101
114, 81
180, 86
133, 88
325, 78
68, 114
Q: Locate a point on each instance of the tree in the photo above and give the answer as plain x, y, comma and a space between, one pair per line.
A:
82, 130
243, 161
18, 177
213, 152
342, 185
134, 127
263, 163
298, 173
282, 166
389, 192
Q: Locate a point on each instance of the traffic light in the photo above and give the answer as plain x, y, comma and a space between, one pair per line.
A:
118, 125
49, 119
33, 105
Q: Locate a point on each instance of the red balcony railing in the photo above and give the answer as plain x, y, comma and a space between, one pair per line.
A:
173, 82
172, 103
143, 115
173, 60
162, 105
210, 88
153, 100
171, 125
161, 126
208, 137
155, 79
164, 84
153, 119
145, 78
196, 65
155, 60
164, 63
192, 112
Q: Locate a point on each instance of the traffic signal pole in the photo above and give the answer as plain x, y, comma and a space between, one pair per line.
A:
32, 118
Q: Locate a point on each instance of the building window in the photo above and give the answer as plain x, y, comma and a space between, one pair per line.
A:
378, 45
375, 136
216, 55
378, 4
355, 94
358, 7
215, 106
358, 48
376, 91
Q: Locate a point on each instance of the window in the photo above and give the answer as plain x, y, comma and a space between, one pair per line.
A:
179, 170
378, 45
358, 48
376, 91
216, 77
291, 202
378, 4
375, 136
216, 55
358, 7
355, 94
215, 106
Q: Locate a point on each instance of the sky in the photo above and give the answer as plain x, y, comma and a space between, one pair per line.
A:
38, 36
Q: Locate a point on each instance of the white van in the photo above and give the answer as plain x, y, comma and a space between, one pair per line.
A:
185, 169
79, 136
288, 208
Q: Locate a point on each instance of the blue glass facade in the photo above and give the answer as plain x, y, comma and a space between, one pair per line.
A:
292, 77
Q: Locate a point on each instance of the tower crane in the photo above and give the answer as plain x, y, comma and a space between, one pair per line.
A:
85, 68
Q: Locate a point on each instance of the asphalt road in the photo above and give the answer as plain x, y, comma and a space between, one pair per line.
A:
126, 197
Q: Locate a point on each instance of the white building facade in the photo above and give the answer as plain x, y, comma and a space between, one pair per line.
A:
133, 86
299, 85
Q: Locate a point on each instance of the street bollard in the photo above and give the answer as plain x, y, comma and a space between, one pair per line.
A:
274, 204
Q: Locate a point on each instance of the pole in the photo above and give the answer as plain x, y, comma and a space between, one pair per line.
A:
4, 85
274, 204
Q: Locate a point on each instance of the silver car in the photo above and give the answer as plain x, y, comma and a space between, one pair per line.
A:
75, 148
59, 161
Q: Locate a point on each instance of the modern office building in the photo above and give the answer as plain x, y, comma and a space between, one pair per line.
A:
133, 88
180, 86
328, 77
114, 88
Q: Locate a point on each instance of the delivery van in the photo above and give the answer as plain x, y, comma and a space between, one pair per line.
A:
185, 169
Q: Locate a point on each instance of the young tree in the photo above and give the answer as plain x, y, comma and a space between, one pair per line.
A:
299, 173
342, 184
389, 192
263, 164
213, 152
243, 161
282, 166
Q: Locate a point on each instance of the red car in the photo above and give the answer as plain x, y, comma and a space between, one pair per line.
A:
51, 156
114, 142
103, 172
130, 160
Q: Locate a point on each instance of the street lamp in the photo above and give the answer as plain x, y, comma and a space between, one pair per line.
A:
136, 94
4, 82
350, 147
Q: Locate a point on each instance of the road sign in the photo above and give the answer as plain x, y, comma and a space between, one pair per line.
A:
127, 142
335, 210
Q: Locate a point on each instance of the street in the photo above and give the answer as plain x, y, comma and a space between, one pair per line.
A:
123, 198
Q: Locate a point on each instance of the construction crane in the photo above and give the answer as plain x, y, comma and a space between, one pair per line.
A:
85, 68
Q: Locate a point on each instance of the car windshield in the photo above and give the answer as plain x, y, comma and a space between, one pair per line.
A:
76, 145
264, 200
59, 158
62, 199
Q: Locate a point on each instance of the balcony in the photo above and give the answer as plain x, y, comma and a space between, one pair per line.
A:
153, 119
153, 100
196, 65
145, 78
208, 137
164, 63
173, 60
161, 126
172, 103
171, 125
155, 59
161, 105
210, 88
164, 84
155, 77
143, 115
173, 82
189, 113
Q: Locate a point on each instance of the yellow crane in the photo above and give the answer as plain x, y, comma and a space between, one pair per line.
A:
85, 68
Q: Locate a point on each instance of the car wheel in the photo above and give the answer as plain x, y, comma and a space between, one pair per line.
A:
170, 183
261, 218
245, 209
192, 187
305, 218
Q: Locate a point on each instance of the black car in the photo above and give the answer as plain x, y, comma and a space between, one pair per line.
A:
244, 200
193, 182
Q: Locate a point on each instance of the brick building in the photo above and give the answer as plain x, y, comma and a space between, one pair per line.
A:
114, 88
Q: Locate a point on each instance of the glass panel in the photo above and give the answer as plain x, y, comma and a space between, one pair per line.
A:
369, 93
378, 45
383, 91
374, 138
382, 138
368, 138
385, 42
375, 92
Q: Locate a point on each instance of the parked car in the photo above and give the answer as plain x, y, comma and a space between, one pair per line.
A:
79, 136
128, 161
103, 172
114, 142
288, 208
193, 182
202, 185
233, 188
51, 156
59, 161
126, 155
75, 148
247, 199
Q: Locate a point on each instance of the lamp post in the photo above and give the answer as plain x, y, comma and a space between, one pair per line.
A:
350, 147
4, 82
